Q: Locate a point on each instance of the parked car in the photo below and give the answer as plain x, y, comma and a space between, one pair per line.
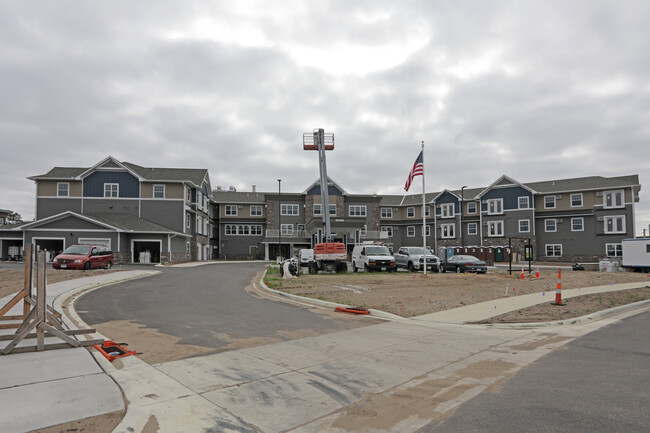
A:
412, 258
372, 258
84, 257
306, 257
462, 263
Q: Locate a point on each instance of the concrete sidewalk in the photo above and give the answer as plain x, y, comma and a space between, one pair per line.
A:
41, 389
396, 376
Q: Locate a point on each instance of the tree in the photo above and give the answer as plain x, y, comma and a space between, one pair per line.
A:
14, 218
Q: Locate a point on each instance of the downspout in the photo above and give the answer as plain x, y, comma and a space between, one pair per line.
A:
169, 245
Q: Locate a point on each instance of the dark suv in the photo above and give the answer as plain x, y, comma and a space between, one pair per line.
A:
84, 257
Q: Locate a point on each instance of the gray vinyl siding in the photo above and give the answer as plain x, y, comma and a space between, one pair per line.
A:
510, 197
111, 205
46, 207
94, 184
167, 213
72, 223
331, 190
71, 238
447, 198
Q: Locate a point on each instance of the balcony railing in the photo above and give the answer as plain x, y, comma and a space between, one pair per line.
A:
303, 234
296, 234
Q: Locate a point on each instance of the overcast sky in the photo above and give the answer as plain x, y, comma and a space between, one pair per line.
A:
537, 90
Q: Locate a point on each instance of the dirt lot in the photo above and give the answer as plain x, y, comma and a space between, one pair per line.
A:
13, 280
407, 294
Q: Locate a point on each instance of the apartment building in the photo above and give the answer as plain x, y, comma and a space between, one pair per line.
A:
161, 212
577, 219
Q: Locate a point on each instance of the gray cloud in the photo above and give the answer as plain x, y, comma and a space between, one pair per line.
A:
530, 89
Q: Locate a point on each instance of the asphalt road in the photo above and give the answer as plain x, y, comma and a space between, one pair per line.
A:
597, 383
199, 305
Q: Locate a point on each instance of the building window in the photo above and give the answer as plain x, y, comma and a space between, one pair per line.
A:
495, 228
111, 190
189, 194
577, 224
199, 224
63, 189
159, 191
188, 220
187, 247
613, 199
300, 227
550, 225
427, 211
287, 229
524, 226
524, 203
317, 209
615, 224
495, 206
410, 212
447, 231
256, 230
231, 210
243, 230
389, 230
471, 207
289, 209
614, 250
427, 231
256, 210
472, 229
447, 210
553, 250
386, 212
576, 200
410, 231
549, 202
357, 210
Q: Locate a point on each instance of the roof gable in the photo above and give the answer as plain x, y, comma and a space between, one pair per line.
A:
109, 164
505, 182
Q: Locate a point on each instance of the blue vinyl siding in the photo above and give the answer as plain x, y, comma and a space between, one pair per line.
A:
445, 199
94, 184
510, 197
331, 190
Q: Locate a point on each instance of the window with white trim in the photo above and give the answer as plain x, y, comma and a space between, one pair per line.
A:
189, 194
287, 229
410, 212
472, 229
410, 231
523, 202
199, 224
111, 190
317, 209
471, 207
524, 226
63, 189
289, 209
159, 191
427, 212
447, 210
615, 224
576, 199
386, 212
549, 202
614, 250
187, 247
495, 228
613, 199
550, 225
231, 210
495, 206
243, 230
447, 231
300, 227
553, 250
427, 231
357, 210
256, 210
577, 224
388, 229
188, 220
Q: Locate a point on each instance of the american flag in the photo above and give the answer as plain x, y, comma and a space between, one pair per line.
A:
417, 170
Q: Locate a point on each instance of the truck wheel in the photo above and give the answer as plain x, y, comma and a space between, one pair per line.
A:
410, 266
365, 267
354, 267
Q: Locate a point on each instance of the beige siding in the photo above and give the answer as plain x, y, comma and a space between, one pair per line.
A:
49, 188
172, 190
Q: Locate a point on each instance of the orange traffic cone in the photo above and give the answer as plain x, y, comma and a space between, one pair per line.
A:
537, 273
558, 290
523, 277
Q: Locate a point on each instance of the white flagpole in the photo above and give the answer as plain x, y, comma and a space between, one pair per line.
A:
424, 216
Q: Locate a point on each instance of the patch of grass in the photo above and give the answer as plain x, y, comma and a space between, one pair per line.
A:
600, 300
635, 298
612, 302
272, 279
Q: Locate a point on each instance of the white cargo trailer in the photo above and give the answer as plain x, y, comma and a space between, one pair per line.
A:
636, 254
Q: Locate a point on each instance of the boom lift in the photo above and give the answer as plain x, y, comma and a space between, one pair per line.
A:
328, 255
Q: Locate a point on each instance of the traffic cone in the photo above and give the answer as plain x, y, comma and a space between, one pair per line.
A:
523, 277
558, 290
537, 273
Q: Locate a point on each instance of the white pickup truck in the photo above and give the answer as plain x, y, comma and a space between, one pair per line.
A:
412, 258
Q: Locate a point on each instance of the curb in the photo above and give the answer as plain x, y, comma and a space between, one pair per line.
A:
576, 321
333, 305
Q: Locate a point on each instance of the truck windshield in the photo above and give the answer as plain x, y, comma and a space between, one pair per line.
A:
377, 251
